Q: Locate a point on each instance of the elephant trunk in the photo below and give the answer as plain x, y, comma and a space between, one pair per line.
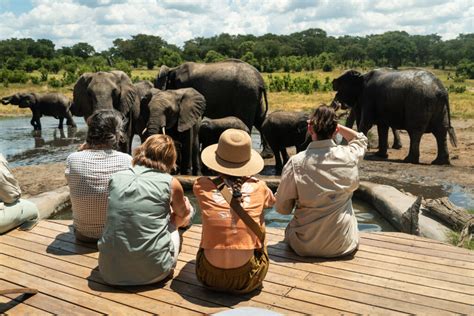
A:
6, 100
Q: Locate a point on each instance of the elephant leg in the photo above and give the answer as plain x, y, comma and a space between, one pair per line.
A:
397, 143
285, 155
414, 153
441, 140
382, 131
69, 119
60, 126
278, 162
267, 151
186, 152
195, 150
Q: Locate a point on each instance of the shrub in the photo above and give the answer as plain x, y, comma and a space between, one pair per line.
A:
465, 68
125, 67
55, 83
456, 89
35, 80
44, 74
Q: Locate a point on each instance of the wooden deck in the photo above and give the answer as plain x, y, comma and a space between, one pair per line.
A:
392, 273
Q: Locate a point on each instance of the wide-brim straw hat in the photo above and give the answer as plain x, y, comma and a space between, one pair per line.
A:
233, 155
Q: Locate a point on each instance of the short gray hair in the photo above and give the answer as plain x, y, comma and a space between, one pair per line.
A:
104, 128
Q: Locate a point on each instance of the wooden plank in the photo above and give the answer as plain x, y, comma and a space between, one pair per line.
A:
419, 244
95, 302
462, 258
44, 303
386, 262
197, 293
9, 306
383, 270
458, 267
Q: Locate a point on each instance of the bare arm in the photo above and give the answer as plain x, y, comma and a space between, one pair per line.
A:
181, 208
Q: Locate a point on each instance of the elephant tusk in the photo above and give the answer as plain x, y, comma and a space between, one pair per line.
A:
144, 131
163, 131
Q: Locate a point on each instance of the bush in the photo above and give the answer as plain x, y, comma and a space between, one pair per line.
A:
465, 68
125, 67
306, 84
35, 80
456, 89
69, 78
55, 83
13, 76
44, 74
327, 66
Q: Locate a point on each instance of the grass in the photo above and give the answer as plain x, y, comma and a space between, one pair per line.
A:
454, 239
461, 104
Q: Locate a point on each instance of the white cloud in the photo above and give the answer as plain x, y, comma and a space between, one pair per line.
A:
99, 22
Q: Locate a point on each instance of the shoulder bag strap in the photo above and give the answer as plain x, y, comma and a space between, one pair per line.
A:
235, 205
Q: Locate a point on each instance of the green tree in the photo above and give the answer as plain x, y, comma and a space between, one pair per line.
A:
83, 50
213, 56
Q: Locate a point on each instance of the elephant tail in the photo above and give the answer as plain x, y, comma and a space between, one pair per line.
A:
264, 93
452, 135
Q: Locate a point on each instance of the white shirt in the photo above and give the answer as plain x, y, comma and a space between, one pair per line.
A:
319, 183
88, 173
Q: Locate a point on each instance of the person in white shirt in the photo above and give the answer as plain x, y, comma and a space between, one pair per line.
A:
318, 184
88, 172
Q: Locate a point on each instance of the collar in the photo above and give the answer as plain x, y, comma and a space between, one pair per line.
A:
322, 144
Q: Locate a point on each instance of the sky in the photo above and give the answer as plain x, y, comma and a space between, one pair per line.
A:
99, 22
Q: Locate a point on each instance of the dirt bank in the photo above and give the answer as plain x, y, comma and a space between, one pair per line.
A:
423, 179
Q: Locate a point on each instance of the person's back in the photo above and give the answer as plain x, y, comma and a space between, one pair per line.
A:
232, 255
319, 183
88, 173
146, 205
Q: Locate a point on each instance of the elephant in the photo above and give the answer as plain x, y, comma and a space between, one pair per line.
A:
48, 104
412, 100
397, 143
211, 129
176, 113
143, 87
108, 90
284, 129
231, 88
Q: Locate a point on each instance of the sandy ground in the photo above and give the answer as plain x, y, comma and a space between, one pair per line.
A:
422, 179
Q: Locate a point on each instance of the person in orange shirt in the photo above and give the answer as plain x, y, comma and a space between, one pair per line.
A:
232, 255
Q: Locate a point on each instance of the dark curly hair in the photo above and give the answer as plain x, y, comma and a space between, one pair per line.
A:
104, 128
324, 122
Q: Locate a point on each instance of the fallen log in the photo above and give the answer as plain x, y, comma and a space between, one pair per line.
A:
453, 216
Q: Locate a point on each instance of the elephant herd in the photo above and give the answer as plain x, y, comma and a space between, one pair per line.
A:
194, 103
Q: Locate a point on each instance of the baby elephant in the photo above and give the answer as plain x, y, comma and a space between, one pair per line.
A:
211, 129
48, 104
284, 129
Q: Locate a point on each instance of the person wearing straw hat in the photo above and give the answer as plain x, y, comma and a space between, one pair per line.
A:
232, 256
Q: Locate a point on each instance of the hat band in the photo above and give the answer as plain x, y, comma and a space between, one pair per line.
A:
230, 164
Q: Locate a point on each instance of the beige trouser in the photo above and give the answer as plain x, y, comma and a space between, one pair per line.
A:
15, 214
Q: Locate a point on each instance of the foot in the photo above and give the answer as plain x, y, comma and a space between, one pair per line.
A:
266, 153
397, 146
381, 154
441, 161
411, 159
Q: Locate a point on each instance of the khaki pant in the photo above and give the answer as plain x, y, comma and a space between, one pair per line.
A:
239, 280
15, 214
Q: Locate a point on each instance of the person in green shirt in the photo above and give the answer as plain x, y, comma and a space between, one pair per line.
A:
140, 243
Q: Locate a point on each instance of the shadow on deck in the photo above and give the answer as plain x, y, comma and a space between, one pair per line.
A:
392, 273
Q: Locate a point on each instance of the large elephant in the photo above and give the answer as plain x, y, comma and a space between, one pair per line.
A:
285, 129
48, 104
107, 90
412, 100
177, 113
231, 88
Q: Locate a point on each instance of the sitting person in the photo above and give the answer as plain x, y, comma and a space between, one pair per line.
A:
88, 173
141, 243
13, 210
319, 183
232, 255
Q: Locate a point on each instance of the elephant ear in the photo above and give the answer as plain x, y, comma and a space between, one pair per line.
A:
129, 100
81, 105
191, 109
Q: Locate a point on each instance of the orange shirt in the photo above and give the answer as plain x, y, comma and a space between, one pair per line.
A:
222, 228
